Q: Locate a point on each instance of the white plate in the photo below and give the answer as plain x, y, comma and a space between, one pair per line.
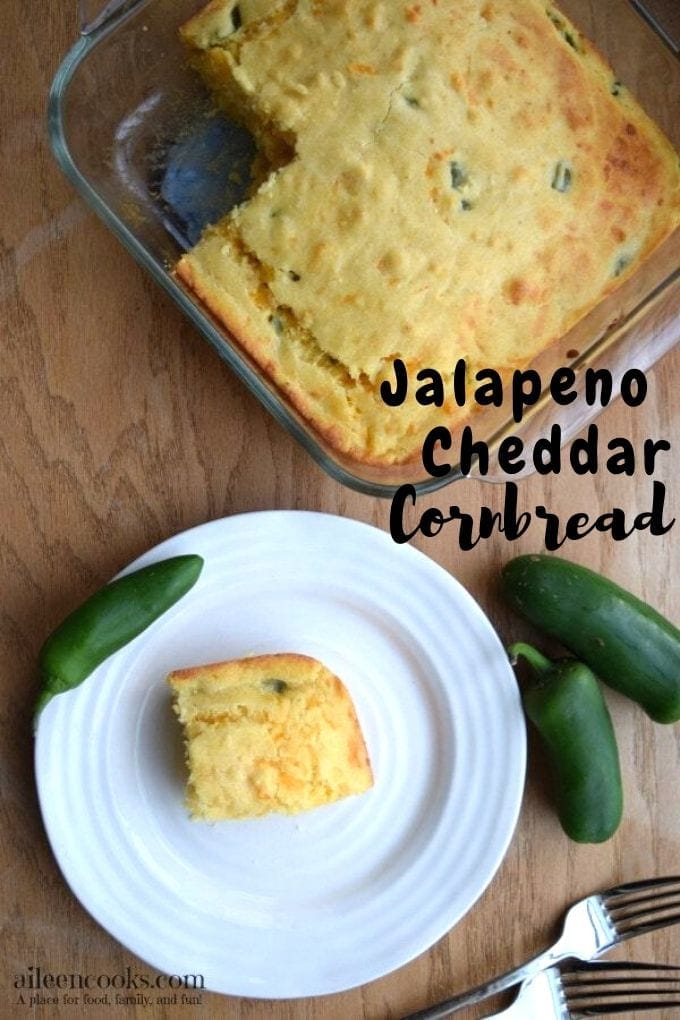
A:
281, 906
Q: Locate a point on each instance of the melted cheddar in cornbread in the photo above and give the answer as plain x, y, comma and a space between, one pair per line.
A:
442, 180
270, 733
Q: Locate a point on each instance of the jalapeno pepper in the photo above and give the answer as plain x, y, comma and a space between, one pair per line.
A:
565, 703
109, 619
628, 644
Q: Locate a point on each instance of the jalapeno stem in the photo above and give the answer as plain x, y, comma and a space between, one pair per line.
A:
40, 703
536, 659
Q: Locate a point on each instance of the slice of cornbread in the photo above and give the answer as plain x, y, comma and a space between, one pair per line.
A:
270, 733
447, 180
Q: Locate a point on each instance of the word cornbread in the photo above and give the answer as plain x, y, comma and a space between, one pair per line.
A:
437, 181
269, 733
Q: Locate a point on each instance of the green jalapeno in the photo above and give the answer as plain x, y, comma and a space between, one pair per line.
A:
109, 619
625, 642
565, 704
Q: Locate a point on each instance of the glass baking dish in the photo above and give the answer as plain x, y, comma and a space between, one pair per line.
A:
131, 126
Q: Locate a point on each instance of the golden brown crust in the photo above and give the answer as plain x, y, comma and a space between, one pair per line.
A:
236, 670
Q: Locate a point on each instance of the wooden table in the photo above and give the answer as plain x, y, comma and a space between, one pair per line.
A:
121, 428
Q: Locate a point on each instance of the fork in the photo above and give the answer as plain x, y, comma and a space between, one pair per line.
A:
594, 989
590, 927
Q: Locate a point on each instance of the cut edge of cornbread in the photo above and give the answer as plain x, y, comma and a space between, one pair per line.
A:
267, 734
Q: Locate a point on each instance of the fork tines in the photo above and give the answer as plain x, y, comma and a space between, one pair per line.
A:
592, 989
643, 906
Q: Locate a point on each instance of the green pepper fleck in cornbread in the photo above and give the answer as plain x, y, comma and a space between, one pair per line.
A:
446, 180
269, 733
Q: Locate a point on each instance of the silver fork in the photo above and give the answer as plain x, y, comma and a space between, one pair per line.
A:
594, 989
591, 926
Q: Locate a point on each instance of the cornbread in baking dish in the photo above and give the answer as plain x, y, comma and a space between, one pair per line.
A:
270, 733
441, 180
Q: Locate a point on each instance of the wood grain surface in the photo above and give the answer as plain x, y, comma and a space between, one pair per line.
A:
120, 428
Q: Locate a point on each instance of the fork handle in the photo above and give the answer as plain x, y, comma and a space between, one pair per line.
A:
548, 958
